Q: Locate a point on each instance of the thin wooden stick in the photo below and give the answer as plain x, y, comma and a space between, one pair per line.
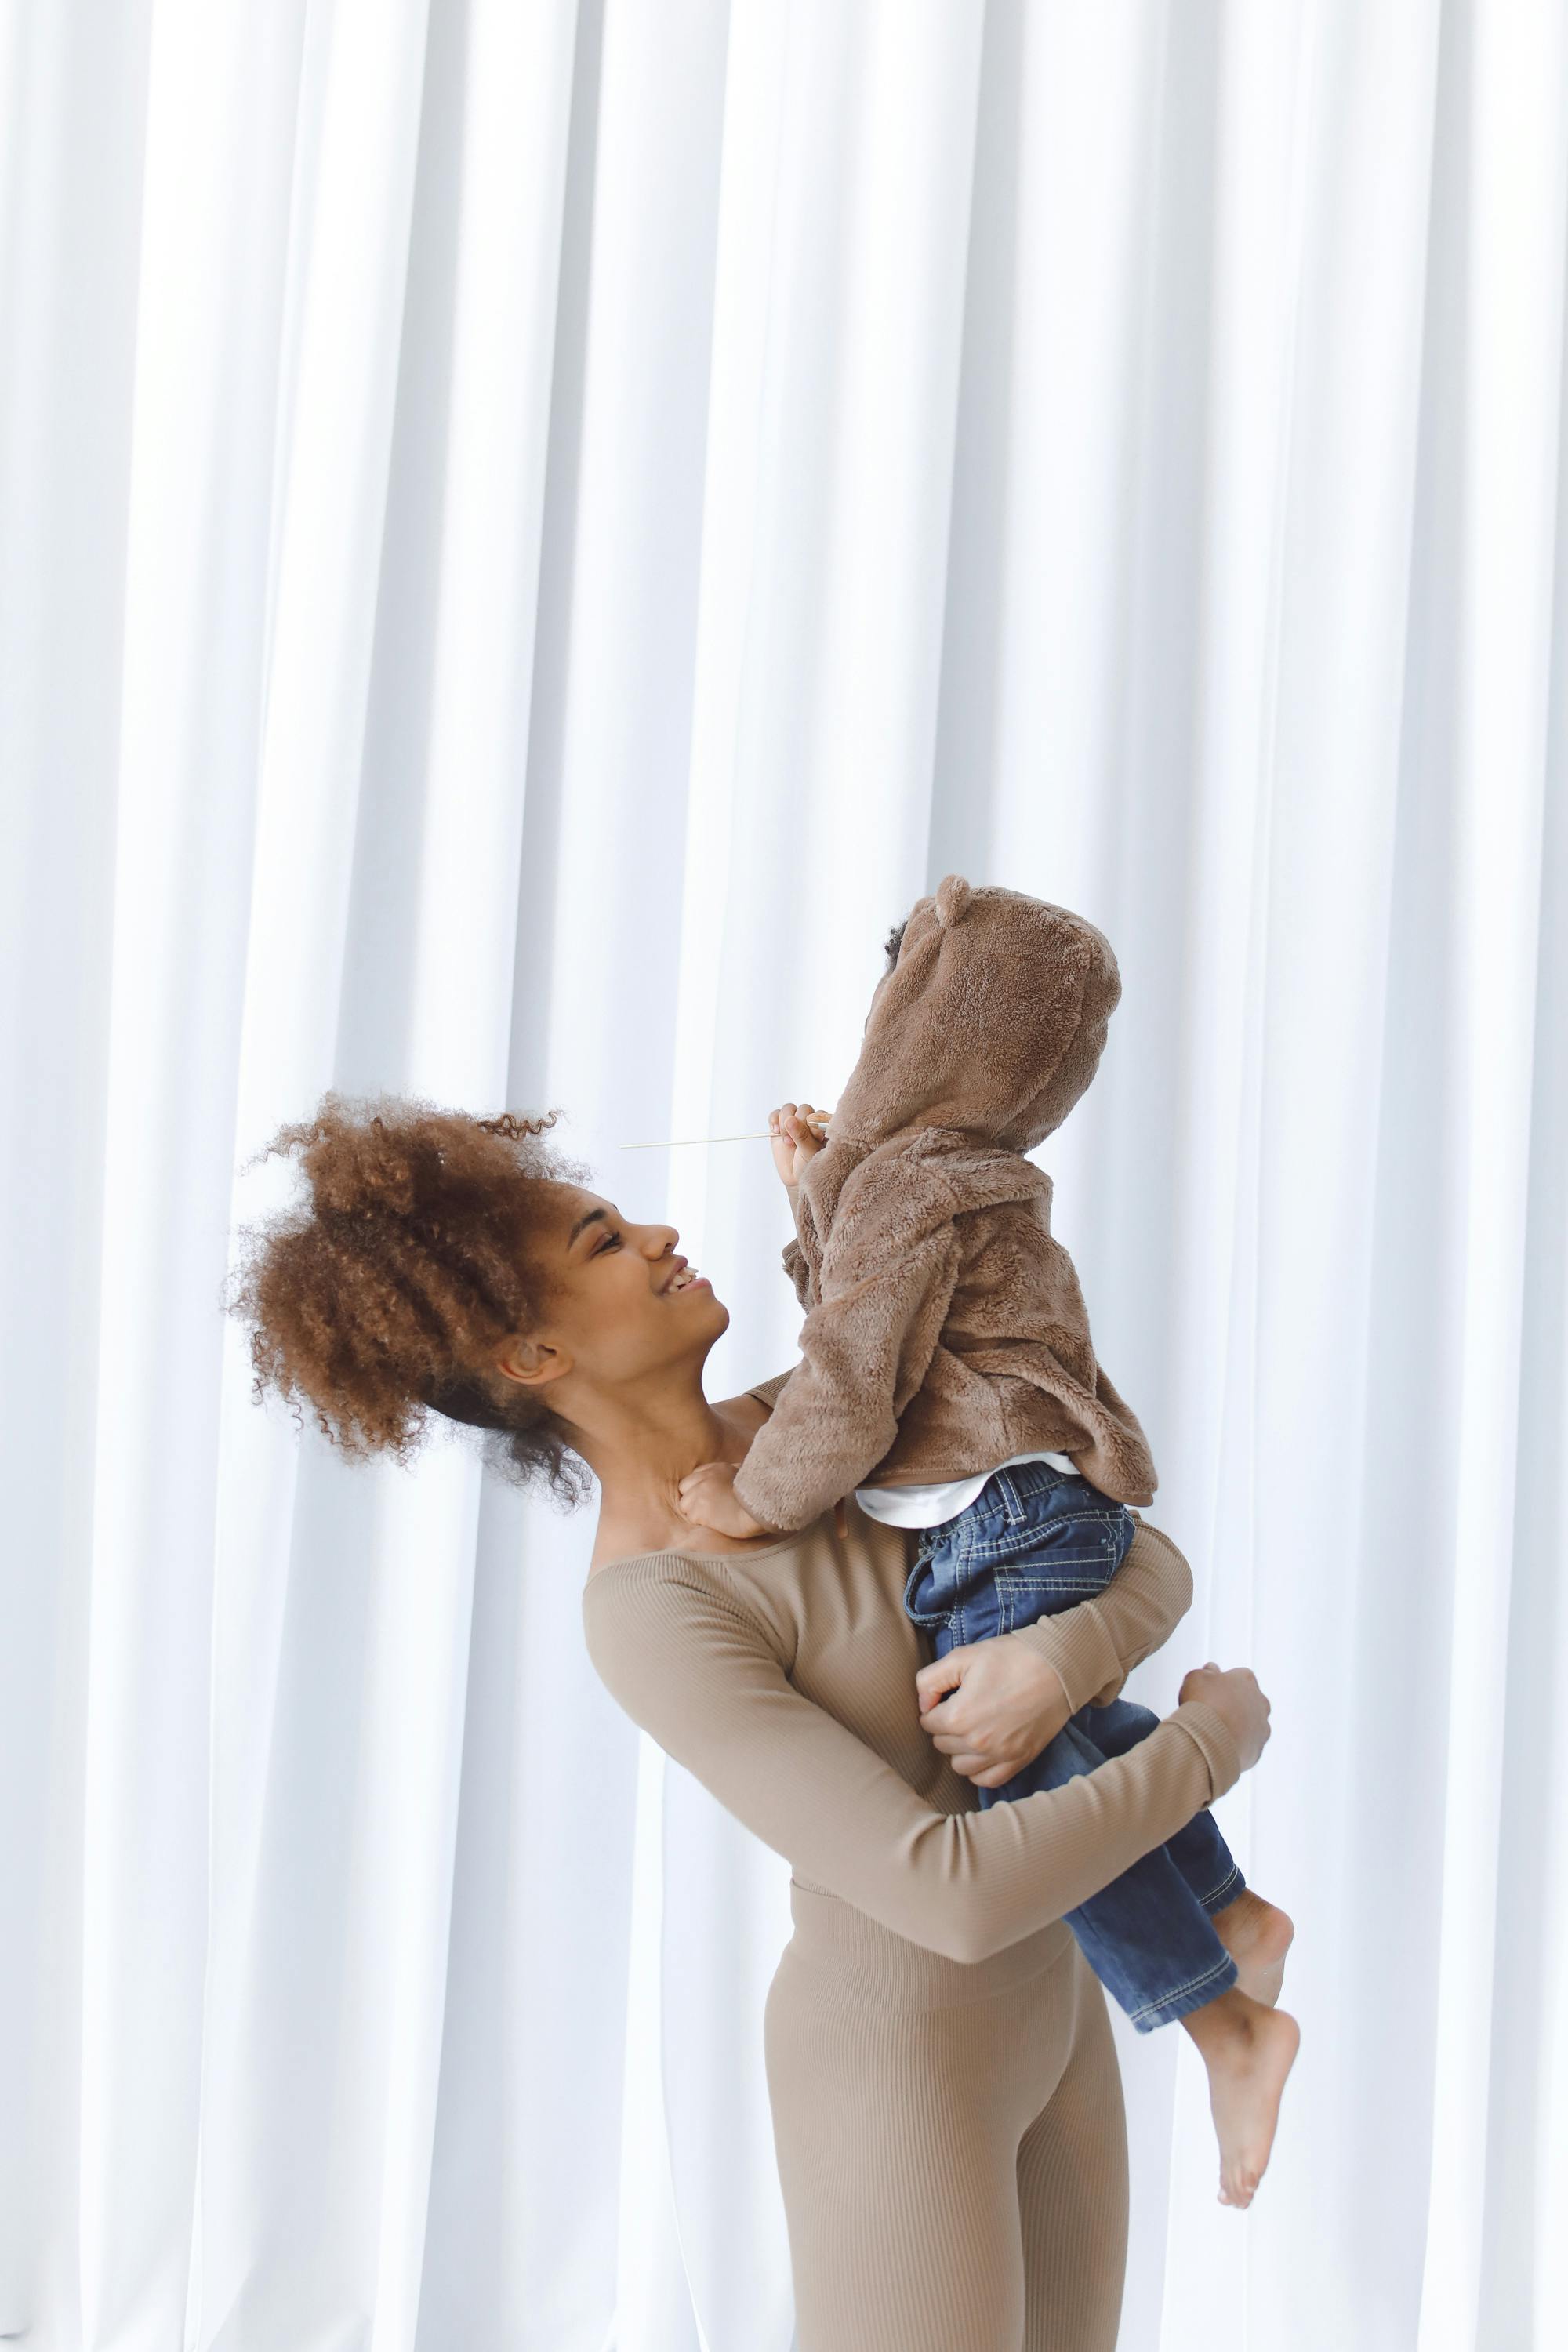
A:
676, 1142
761, 1136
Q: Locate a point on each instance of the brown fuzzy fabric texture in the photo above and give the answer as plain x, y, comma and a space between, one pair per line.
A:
945, 1328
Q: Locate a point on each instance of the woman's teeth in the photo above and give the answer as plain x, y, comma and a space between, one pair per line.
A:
682, 1280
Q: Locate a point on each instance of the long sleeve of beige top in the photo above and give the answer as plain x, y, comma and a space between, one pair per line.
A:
783, 1682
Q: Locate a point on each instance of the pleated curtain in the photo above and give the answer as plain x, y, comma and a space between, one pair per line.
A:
531, 532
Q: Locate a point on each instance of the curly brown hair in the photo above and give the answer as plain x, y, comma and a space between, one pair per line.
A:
375, 1302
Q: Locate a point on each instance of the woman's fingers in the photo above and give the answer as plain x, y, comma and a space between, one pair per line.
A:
981, 1705
936, 1696
959, 1738
986, 1770
933, 1682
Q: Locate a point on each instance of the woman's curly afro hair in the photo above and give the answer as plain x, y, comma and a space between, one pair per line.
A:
376, 1300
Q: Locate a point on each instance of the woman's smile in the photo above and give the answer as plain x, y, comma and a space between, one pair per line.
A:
685, 1277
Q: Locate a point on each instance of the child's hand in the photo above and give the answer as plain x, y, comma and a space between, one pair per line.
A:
796, 1131
708, 1499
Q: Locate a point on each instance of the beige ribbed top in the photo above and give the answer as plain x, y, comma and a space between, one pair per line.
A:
784, 1679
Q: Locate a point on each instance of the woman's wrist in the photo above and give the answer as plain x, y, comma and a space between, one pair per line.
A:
1214, 1735
1055, 1690
1076, 1643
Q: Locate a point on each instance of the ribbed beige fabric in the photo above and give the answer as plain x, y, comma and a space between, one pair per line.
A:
946, 2103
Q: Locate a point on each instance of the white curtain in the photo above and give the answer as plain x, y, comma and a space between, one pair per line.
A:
529, 534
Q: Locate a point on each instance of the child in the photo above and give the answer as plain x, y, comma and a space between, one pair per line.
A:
949, 1378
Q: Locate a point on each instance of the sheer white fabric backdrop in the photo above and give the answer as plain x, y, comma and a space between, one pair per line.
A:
530, 534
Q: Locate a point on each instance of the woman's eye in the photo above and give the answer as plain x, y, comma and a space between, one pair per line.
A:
610, 1240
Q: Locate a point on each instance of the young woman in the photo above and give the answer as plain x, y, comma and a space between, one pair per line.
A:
946, 2103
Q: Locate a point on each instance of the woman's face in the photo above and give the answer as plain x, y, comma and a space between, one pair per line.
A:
623, 1304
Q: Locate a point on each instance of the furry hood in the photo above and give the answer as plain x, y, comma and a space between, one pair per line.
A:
992, 1022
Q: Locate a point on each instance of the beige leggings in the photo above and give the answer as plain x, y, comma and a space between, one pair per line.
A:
951, 2139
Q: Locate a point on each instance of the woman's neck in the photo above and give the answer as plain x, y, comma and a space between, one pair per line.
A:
641, 1442
640, 1446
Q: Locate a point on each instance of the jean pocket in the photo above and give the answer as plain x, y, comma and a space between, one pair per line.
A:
1025, 1591
925, 1602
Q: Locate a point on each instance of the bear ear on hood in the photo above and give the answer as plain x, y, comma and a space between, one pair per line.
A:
952, 899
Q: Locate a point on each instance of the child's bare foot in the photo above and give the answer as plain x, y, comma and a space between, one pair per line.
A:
1257, 1936
1248, 2049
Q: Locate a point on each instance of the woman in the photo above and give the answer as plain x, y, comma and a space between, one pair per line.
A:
946, 2103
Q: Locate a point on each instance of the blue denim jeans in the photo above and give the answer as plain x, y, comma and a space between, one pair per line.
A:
1034, 1540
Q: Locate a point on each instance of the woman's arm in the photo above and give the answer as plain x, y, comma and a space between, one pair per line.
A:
992, 1706
1095, 1644
699, 1675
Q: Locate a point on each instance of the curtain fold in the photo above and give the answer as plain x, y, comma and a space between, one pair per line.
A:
529, 534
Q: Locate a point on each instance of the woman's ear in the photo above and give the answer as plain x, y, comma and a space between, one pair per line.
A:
532, 1363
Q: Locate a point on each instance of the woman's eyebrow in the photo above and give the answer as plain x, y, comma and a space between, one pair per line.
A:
577, 1228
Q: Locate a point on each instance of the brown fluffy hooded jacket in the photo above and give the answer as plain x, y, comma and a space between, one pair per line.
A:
945, 1329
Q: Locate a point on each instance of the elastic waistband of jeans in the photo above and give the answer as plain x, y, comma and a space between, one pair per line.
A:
872, 1963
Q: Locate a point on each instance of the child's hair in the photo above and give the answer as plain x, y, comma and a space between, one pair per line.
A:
895, 941
375, 1300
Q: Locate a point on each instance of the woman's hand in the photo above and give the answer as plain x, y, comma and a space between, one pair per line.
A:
1234, 1695
707, 1497
794, 1131
1006, 1703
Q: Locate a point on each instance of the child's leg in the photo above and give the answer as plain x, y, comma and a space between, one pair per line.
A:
1148, 1939
1197, 1848
1146, 1935
1154, 1946
1255, 1932
1047, 1540
1034, 1541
